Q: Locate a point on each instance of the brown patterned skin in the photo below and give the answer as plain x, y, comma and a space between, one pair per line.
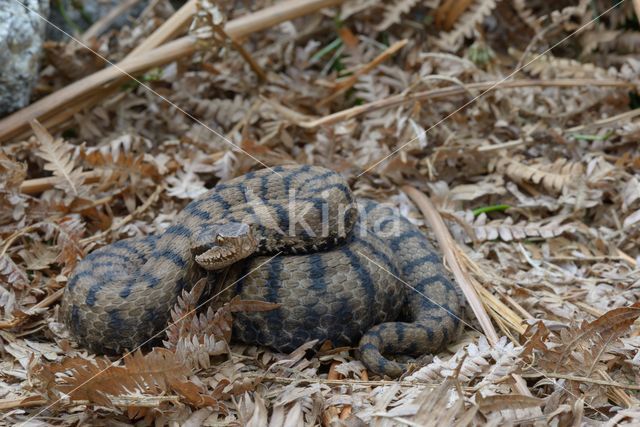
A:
120, 296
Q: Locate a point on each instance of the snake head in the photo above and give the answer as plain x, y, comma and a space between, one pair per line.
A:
220, 245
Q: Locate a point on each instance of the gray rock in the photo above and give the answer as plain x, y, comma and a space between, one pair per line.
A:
21, 37
75, 17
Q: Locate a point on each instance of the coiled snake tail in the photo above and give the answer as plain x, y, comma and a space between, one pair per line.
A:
433, 304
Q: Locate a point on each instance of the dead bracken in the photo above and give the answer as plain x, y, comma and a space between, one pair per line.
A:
518, 119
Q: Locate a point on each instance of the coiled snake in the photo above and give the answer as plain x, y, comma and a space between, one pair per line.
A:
346, 273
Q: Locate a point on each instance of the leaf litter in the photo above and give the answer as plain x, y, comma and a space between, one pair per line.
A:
537, 181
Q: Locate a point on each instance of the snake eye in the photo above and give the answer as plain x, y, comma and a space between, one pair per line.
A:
219, 239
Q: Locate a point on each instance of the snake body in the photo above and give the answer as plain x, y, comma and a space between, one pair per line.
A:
345, 274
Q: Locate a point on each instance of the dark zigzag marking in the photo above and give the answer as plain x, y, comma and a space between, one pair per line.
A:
305, 235
282, 216
366, 206
290, 176
375, 333
264, 189
131, 248
383, 224
151, 280
175, 257
116, 324
317, 272
218, 198
99, 255
427, 281
312, 179
273, 284
95, 265
412, 348
194, 210
243, 190
340, 186
363, 275
409, 267
400, 332
380, 255
196, 205
75, 319
178, 230
395, 242
90, 299
368, 347
250, 212
77, 276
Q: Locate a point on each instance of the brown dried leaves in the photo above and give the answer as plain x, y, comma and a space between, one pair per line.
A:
77, 380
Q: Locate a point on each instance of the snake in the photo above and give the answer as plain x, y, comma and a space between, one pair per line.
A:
347, 270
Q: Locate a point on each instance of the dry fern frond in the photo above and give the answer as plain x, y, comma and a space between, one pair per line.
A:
449, 12
12, 174
210, 326
68, 232
393, 12
568, 350
526, 14
465, 26
119, 168
99, 381
474, 361
12, 202
58, 157
223, 112
507, 231
548, 66
436, 409
553, 177
39, 256
11, 275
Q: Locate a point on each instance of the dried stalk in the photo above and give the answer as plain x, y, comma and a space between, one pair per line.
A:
346, 84
185, 46
449, 91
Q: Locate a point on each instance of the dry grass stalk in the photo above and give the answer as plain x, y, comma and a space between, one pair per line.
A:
348, 83
447, 92
46, 107
169, 29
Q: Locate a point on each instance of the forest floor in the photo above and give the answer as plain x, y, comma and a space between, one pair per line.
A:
518, 119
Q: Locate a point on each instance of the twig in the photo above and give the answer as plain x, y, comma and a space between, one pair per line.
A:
337, 382
37, 185
124, 401
608, 121
46, 107
449, 91
168, 29
538, 374
346, 84
262, 76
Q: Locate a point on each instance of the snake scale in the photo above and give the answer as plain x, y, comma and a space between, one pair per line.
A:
344, 272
